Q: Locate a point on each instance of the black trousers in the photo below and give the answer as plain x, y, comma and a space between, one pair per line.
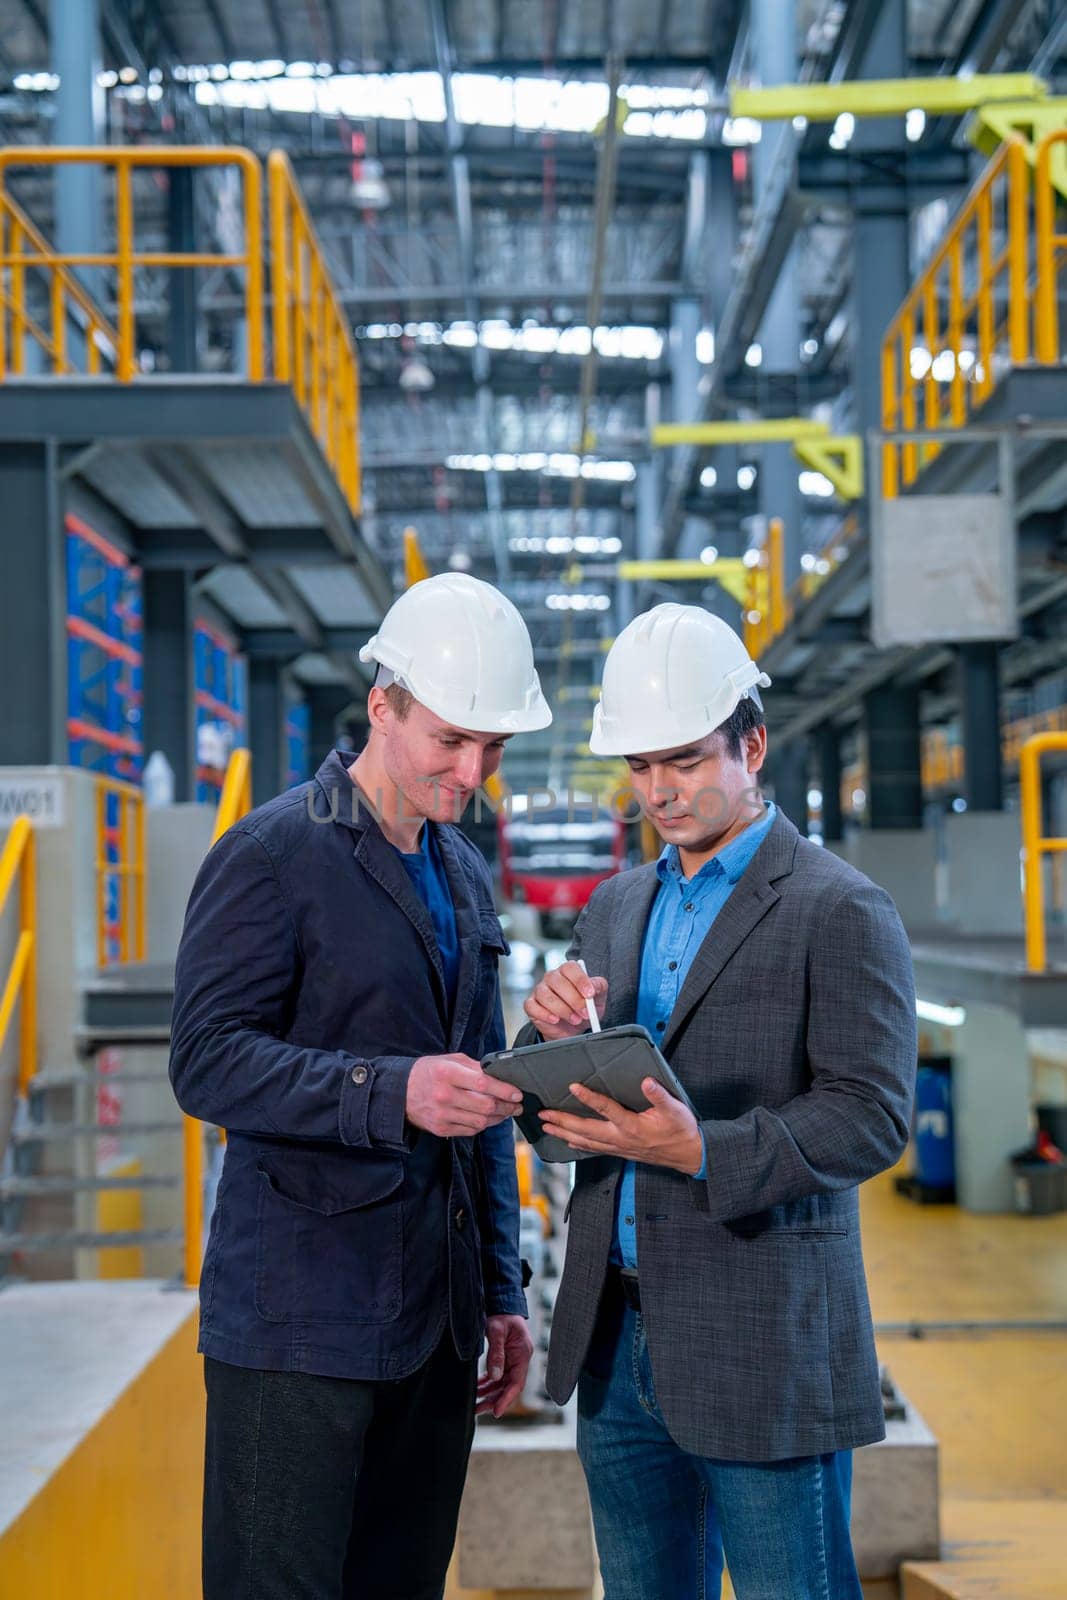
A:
333, 1488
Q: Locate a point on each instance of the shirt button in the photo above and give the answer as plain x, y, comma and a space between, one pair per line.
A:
660, 1026
689, 905
672, 966
359, 1074
629, 1221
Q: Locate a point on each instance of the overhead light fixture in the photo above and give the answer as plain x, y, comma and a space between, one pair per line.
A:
369, 188
415, 376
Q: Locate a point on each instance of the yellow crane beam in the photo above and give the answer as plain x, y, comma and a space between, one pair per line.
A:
838, 458
883, 97
729, 571
1029, 120
770, 430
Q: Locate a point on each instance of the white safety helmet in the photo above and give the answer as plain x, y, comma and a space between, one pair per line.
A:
463, 651
674, 675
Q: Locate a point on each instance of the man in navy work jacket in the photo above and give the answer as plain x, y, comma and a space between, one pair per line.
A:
336, 988
713, 1309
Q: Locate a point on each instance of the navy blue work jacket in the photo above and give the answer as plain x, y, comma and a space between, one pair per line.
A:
308, 981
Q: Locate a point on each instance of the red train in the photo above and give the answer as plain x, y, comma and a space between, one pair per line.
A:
552, 860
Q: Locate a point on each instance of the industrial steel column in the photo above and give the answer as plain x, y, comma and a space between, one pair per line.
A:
169, 718
894, 758
74, 28
33, 606
685, 396
880, 280
774, 28
326, 702
828, 744
266, 718
787, 772
181, 239
722, 239
978, 666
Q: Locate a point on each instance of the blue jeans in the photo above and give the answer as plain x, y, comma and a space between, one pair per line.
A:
666, 1519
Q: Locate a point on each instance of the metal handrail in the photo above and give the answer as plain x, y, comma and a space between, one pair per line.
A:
19, 859
975, 280
313, 346
1050, 245
768, 606
30, 251
125, 258
1036, 845
130, 869
234, 803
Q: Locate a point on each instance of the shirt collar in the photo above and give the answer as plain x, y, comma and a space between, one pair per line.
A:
730, 861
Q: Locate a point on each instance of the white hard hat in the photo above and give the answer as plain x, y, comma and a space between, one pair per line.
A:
674, 675
462, 649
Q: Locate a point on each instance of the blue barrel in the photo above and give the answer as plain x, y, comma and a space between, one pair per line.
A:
935, 1157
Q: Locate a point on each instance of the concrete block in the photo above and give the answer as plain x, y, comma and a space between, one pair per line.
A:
101, 1451
983, 889
525, 1520
895, 1511
178, 839
904, 862
990, 1105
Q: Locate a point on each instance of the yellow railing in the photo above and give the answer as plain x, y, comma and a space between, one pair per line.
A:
26, 254
125, 258
1051, 245
126, 836
987, 300
234, 803
19, 859
1036, 845
768, 607
313, 346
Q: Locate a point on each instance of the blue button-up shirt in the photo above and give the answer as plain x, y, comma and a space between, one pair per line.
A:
681, 915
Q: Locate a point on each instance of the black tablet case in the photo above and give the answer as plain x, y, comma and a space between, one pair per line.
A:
613, 1062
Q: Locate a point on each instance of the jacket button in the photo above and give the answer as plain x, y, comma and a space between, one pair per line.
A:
359, 1074
461, 1219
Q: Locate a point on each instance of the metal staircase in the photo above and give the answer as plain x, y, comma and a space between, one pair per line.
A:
53, 1186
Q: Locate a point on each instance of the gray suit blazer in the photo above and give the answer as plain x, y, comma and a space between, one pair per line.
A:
795, 1036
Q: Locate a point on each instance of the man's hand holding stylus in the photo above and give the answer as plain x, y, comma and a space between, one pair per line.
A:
557, 1007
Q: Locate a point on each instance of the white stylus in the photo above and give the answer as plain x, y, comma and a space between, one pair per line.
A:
590, 1003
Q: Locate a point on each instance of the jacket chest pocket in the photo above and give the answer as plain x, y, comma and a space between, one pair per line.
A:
329, 1243
492, 940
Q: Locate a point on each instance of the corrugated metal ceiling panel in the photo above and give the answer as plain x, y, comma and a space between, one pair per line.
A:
241, 597
336, 596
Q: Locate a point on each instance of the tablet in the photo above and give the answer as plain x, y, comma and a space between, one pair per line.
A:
613, 1062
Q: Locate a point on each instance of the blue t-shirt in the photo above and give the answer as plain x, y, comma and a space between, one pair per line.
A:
427, 873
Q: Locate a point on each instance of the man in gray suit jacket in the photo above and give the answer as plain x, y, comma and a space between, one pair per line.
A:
713, 1310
